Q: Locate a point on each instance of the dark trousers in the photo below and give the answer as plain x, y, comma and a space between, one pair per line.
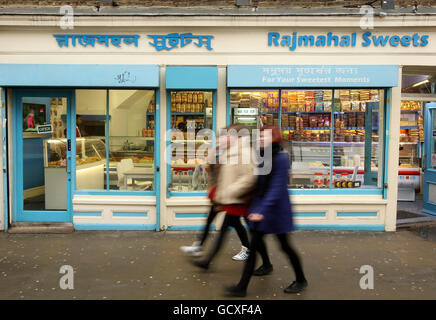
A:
258, 245
229, 221
212, 214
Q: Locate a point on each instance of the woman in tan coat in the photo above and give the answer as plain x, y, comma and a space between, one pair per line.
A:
235, 182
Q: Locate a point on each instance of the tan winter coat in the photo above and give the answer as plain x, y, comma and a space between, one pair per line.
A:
236, 178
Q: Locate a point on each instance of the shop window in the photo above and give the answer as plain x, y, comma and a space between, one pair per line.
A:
358, 138
131, 139
190, 113
306, 128
334, 137
115, 140
90, 139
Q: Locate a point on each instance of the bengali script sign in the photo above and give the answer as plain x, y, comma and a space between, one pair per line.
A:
85, 40
180, 40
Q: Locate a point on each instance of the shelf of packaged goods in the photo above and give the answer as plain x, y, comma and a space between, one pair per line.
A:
409, 127
336, 170
191, 141
307, 128
354, 128
334, 142
187, 113
298, 112
410, 111
342, 112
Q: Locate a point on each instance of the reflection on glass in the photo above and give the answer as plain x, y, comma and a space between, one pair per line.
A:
131, 139
191, 112
306, 127
90, 139
44, 164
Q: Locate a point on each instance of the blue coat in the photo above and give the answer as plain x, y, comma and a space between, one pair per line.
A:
274, 205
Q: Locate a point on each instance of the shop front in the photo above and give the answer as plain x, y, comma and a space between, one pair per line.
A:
81, 135
91, 143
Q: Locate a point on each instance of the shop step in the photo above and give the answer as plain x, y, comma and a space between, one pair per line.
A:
41, 227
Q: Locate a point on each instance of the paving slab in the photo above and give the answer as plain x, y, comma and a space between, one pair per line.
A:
149, 265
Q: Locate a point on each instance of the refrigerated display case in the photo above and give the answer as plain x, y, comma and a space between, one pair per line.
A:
90, 164
410, 153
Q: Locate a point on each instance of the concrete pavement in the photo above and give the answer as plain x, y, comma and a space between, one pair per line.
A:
149, 265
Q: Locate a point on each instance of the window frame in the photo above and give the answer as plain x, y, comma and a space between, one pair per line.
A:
107, 192
167, 142
381, 191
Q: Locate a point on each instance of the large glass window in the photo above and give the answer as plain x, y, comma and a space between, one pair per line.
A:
190, 113
334, 137
115, 139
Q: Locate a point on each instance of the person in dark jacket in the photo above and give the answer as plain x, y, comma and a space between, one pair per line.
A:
270, 212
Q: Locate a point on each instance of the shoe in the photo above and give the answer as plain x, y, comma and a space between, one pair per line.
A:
242, 255
263, 271
201, 264
235, 291
296, 287
194, 250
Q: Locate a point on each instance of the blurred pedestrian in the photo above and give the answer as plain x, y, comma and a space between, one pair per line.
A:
235, 183
196, 249
270, 212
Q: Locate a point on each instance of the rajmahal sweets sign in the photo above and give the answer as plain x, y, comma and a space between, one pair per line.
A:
292, 41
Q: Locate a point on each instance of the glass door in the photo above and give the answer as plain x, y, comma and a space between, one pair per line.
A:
429, 204
42, 156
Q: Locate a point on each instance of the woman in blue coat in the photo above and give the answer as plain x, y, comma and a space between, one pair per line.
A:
270, 212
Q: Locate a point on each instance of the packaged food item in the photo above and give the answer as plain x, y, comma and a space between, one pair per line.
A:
189, 97
200, 97
355, 105
184, 97
178, 97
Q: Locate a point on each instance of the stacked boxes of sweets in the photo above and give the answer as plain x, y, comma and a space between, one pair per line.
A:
292, 101
305, 117
235, 97
264, 100
292, 121
344, 97
255, 102
374, 95
310, 101
413, 135
301, 101
348, 135
421, 128
365, 95
244, 102
269, 119
285, 120
319, 95
327, 100
360, 135
299, 129
339, 129
360, 120
276, 122
285, 101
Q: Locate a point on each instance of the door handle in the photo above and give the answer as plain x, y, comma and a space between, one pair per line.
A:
68, 165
